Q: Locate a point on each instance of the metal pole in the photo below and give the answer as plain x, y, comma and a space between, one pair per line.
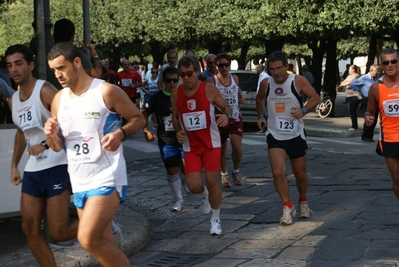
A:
41, 35
86, 24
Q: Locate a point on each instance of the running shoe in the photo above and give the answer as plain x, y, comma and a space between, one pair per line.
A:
118, 236
288, 213
205, 207
237, 178
225, 181
177, 206
304, 211
216, 229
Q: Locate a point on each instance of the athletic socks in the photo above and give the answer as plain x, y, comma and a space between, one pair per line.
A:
175, 185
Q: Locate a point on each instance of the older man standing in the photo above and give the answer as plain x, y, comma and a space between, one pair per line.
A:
362, 85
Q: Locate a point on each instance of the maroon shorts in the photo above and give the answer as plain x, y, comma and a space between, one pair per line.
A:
235, 127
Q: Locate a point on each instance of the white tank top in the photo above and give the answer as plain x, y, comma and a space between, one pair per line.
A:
230, 94
30, 116
280, 98
84, 121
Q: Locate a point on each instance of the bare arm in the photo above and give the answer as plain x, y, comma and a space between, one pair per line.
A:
147, 133
95, 71
241, 98
214, 96
306, 88
372, 104
260, 103
116, 100
52, 129
180, 133
19, 148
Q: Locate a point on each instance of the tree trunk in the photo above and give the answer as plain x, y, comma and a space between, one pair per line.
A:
330, 79
157, 51
242, 59
273, 45
372, 52
318, 48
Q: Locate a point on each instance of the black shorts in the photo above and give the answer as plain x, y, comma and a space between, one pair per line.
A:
388, 150
46, 183
295, 147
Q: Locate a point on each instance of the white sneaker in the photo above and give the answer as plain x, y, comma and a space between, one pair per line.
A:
304, 211
177, 206
118, 236
216, 229
205, 207
288, 213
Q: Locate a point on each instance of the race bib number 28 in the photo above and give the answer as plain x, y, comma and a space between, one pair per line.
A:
83, 148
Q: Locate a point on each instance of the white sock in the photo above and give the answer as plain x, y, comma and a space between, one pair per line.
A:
236, 171
205, 193
224, 173
216, 214
175, 185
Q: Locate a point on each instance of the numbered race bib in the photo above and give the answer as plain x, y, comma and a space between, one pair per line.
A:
126, 82
286, 125
167, 121
83, 148
232, 100
27, 117
194, 121
391, 108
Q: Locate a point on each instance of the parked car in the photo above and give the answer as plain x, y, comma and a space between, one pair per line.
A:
248, 82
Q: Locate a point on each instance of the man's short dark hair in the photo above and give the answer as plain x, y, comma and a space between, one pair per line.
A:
388, 51
277, 56
64, 30
221, 56
66, 49
20, 48
188, 60
169, 70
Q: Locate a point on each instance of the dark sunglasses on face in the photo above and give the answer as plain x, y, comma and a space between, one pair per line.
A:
171, 80
386, 63
187, 73
210, 62
154, 71
221, 65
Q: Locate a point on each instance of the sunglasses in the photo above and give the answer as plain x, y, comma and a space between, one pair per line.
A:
171, 80
211, 62
393, 62
187, 73
154, 71
221, 65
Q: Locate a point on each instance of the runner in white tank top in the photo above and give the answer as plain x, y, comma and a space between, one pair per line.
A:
87, 113
46, 186
285, 135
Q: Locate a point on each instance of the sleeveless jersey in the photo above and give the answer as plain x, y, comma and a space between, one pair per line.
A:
230, 94
30, 117
84, 120
280, 98
389, 110
197, 118
152, 86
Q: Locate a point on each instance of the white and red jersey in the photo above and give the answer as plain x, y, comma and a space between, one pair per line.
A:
197, 118
230, 94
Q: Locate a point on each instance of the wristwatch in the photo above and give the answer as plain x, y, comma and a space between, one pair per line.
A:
44, 143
